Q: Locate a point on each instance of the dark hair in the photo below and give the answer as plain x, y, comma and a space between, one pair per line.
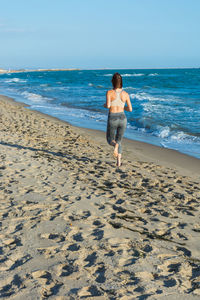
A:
117, 81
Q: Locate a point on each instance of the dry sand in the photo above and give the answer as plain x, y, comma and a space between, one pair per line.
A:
73, 226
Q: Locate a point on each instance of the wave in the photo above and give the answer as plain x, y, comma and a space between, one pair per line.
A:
15, 80
163, 132
145, 96
76, 114
153, 74
168, 134
133, 75
182, 142
45, 84
96, 86
129, 88
34, 97
140, 96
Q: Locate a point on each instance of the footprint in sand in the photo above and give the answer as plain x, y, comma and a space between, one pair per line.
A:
56, 237
48, 252
90, 292
73, 247
77, 237
10, 286
67, 269
99, 274
49, 286
98, 234
91, 259
80, 216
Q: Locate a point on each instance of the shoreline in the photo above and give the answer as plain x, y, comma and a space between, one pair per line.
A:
74, 226
132, 149
161, 131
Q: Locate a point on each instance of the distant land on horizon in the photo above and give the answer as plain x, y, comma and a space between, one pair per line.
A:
36, 70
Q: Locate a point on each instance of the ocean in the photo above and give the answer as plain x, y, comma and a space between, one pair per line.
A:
166, 102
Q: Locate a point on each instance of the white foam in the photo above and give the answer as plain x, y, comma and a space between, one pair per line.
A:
44, 84
129, 88
153, 74
136, 75
140, 96
184, 143
15, 80
34, 97
180, 137
127, 74
164, 132
145, 96
132, 75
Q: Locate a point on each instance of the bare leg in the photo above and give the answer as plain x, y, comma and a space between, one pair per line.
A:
116, 146
115, 153
119, 156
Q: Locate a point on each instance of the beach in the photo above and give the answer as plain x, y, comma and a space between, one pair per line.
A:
74, 226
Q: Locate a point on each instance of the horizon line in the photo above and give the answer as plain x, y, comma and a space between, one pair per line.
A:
87, 69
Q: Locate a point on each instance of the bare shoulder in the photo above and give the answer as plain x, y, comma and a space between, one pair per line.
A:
125, 95
110, 92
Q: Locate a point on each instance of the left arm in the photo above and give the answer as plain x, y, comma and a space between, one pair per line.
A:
128, 102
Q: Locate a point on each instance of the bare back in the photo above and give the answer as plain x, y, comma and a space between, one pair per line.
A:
125, 99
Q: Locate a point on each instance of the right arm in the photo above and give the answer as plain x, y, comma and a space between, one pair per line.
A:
108, 100
128, 102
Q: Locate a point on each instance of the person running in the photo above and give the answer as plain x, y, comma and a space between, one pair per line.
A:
116, 99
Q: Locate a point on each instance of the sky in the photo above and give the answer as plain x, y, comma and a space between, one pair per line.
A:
91, 34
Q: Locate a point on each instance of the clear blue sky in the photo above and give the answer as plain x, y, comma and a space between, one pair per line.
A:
99, 33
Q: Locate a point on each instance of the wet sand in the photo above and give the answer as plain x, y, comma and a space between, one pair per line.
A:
73, 226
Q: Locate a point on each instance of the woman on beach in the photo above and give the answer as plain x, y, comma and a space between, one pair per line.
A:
116, 125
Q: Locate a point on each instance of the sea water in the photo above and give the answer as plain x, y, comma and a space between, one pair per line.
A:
166, 103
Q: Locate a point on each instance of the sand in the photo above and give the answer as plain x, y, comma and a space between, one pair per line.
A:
74, 226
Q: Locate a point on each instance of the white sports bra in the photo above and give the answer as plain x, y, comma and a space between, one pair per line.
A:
118, 101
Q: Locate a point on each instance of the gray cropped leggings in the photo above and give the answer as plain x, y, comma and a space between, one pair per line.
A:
115, 128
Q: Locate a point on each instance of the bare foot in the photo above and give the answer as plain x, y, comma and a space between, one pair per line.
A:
119, 156
115, 153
